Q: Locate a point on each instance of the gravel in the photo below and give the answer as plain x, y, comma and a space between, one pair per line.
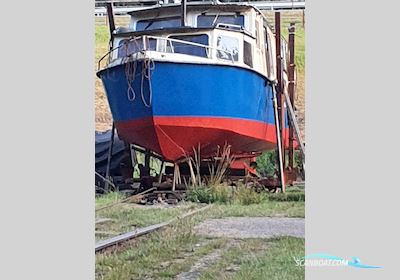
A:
257, 227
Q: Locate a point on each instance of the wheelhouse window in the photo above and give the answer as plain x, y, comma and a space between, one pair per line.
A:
128, 47
187, 48
211, 20
159, 23
227, 48
247, 54
268, 55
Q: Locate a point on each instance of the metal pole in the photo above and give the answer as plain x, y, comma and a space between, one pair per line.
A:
281, 99
291, 91
110, 148
110, 16
183, 13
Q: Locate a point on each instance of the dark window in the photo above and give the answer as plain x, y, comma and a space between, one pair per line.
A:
267, 52
208, 20
228, 48
149, 24
128, 47
190, 49
247, 54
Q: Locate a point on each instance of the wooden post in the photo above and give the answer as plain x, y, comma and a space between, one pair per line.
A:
280, 93
291, 90
161, 170
278, 138
110, 148
192, 172
147, 160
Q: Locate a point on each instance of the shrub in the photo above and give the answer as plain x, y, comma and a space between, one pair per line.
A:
289, 196
246, 196
201, 194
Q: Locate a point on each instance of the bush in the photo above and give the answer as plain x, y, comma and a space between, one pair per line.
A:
240, 195
289, 196
200, 194
247, 196
205, 194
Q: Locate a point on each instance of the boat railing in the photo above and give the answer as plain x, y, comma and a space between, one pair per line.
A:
142, 42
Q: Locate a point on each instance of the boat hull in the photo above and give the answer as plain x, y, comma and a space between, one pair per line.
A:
170, 108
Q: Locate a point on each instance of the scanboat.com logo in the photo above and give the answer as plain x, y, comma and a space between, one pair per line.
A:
329, 260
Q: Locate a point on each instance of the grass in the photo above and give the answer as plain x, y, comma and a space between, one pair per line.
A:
276, 262
265, 209
160, 255
259, 259
127, 216
166, 253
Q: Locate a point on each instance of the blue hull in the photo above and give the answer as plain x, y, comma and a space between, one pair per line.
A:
175, 106
189, 90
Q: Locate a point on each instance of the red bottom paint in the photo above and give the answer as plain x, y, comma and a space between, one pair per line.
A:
175, 137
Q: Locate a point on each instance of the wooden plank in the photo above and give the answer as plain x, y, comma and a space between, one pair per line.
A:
126, 199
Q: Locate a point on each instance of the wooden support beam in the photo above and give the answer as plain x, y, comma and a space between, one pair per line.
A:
279, 101
278, 139
291, 90
279, 88
110, 148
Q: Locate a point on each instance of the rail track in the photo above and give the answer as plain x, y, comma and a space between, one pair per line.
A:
101, 245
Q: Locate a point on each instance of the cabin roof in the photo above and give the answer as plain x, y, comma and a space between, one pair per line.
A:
173, 8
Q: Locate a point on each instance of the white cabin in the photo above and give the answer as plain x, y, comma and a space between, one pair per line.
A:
233, 34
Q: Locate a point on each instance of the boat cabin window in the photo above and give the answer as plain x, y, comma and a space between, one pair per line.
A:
268, 52
227, 48
247, 54
128, 47
180, 47
211, 20
158, 23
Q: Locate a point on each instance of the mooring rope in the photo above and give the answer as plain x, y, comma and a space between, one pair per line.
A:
130, 74
148, 66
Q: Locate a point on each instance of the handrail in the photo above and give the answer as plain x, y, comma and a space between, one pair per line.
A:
146, 37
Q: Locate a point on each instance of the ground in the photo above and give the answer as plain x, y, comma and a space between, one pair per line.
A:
256, 248
103, 117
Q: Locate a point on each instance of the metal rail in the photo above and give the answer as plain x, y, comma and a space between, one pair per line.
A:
261, 5
145, 38
142, 231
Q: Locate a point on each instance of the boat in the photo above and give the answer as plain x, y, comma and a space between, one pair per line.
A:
205, 78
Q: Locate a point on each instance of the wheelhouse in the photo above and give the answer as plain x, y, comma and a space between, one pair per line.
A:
234, 34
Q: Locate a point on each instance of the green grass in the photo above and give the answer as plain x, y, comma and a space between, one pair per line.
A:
160, 255
127, 216
166, 253
265, 209
102, 36
259, 259
276, 262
